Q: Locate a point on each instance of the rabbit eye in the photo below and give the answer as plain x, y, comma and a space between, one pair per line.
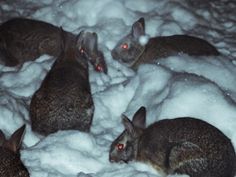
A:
99, 68
125, 46
120, 146
82, 51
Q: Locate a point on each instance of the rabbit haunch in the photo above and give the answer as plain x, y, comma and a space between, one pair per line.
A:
64, 99
10, 163
24, 39
182, 145
130, 51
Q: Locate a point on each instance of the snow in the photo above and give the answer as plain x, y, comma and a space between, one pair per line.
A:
143, 40
201, 87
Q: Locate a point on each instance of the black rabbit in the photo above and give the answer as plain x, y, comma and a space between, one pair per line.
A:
182, 145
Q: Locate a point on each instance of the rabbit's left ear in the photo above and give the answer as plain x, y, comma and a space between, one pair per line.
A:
15, 141
129, 127
92, 41
138, 28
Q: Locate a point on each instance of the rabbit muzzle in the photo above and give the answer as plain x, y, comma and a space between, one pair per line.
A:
113, 159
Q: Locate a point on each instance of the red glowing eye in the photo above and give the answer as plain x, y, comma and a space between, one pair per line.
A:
125, 46
120, 146
81, 50
99, 68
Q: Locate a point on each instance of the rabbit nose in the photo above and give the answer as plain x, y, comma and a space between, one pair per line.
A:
112, 159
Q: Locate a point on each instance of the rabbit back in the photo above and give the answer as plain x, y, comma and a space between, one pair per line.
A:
165, 46
64, 100
26, 39
191, 45
187, 146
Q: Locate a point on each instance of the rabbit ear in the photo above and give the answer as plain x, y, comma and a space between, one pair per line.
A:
139, 118
128, 125
87, 41
63, 39
80, 39
14, 143
138, 28
2, 138
142, 21
63, 44
92, 41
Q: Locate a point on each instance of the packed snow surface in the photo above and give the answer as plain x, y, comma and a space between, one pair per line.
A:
177, 86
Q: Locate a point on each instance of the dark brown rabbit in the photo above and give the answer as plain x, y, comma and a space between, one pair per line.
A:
10, 163
64, 99
89, 48
182, 145
24, 39
130, 51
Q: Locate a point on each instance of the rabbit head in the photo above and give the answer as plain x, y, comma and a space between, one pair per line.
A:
10, 164
129, 49
124, 147
88, 47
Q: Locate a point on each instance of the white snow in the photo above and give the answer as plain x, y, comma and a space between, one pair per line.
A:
201, 87
143, 40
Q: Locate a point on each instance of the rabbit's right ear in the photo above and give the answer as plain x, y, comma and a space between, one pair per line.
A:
15, 141
138, 28
139, 118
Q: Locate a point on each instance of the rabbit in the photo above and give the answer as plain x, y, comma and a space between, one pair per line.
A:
94, 55
10, 163
131, 52
175, 146
64, 99
23, 39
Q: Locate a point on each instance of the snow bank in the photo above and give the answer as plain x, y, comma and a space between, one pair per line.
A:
202, 87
